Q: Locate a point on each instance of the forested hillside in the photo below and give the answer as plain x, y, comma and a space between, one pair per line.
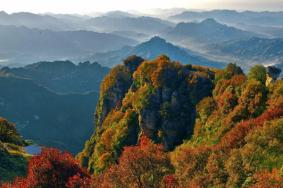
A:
46, 99
62, 77
206, 127
160, 123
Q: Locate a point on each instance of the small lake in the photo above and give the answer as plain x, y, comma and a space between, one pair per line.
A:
33, 149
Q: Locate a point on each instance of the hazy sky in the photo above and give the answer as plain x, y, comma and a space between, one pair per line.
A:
88, 6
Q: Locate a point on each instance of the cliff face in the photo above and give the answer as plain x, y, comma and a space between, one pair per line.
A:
154, 98
114, 87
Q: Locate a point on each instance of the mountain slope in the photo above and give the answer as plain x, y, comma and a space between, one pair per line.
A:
62, 76
152, 97
26, 45
132, 34
207, 31
253, 48
150, 50
62, 121
147, 25
48, 99
264, 18
223, 128
31, 20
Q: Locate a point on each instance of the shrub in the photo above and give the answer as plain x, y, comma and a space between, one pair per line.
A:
52, 168
258, 72
144, 165
9, 134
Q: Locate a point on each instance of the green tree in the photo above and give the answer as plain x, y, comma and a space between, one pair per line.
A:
258, 72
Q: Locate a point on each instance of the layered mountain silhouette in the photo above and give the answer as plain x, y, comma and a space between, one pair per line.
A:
255, 48
258, 50
23, 45
62, 76
34, 21
206, 31
169, 115
132, 34
150, 50
143, 24
231, 16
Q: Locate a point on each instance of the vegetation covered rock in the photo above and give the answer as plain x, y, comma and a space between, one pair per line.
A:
13, 158
220, 128
154, 98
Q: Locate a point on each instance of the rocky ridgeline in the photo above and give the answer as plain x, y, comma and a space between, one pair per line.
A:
153, 98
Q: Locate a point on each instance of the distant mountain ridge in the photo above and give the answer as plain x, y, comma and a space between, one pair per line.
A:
150, 50
232, 16
24, 45
34, 21
206, 31
118, 13
62, 76
143, 24
257, 50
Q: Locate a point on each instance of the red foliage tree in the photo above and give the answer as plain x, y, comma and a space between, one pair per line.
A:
53, 168
266, 179
170, 181
78, 181
235, 137
144, 165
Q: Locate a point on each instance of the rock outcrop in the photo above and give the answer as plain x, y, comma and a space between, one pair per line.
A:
272, 74
153, 98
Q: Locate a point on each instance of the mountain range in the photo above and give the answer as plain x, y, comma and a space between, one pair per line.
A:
108, 22
251, 51
267, 18
61, 76
171, 112
28, 37
268, 23
22, 45
150, 50
35, 21
205, 32
142, 24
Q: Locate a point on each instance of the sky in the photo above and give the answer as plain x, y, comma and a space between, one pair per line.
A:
89, 6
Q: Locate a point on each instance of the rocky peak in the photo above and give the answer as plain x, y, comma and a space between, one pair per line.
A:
157, 39
209, 21
153, 98
3, 13
132, 62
